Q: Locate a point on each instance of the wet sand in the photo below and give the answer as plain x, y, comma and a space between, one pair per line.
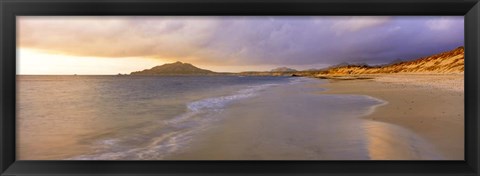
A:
431, 106
394, 117
295, 122
284, 123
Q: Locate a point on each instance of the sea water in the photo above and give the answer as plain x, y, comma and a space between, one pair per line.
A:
196, 117
65, 116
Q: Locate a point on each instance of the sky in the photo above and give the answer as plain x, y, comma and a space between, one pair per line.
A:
97, 45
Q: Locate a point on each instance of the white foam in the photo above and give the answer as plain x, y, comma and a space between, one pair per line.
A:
217, 103
175, 140
372, 108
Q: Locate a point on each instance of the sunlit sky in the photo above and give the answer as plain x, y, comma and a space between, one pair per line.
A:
111, 45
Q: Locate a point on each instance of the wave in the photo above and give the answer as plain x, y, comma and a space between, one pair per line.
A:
217, 103
175, 133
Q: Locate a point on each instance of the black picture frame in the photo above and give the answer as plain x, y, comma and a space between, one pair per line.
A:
9, 9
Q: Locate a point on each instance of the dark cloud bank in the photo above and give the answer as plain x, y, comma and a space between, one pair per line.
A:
246, 40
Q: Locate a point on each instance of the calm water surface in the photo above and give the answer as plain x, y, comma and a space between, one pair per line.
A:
199, 117
62, 116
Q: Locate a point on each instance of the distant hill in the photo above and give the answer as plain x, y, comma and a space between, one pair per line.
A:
283, 69
340, 65
177, 68
446, 62
313, 70
396, 61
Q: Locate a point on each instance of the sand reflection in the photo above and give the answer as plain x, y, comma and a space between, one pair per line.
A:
390, 142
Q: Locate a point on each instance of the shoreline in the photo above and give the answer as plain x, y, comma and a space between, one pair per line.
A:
420, 103
267, 127
300, 129
354, 119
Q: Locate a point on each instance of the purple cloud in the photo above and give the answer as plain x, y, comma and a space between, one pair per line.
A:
246, 40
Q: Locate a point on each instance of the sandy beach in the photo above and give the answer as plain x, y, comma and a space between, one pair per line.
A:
352, 120
431, 106
286, 122
318, 88
385, 117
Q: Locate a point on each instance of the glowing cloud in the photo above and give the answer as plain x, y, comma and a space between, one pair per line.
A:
243, 41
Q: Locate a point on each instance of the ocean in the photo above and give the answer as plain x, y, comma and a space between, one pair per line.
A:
190, 117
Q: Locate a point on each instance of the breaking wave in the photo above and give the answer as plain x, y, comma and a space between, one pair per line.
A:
173, 134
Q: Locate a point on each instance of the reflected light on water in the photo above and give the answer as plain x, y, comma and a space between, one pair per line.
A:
390, 142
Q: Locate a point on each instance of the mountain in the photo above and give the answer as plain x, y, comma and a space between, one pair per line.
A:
446, 62
396, 61
340, 65
313, 70
177, 68
283, 69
